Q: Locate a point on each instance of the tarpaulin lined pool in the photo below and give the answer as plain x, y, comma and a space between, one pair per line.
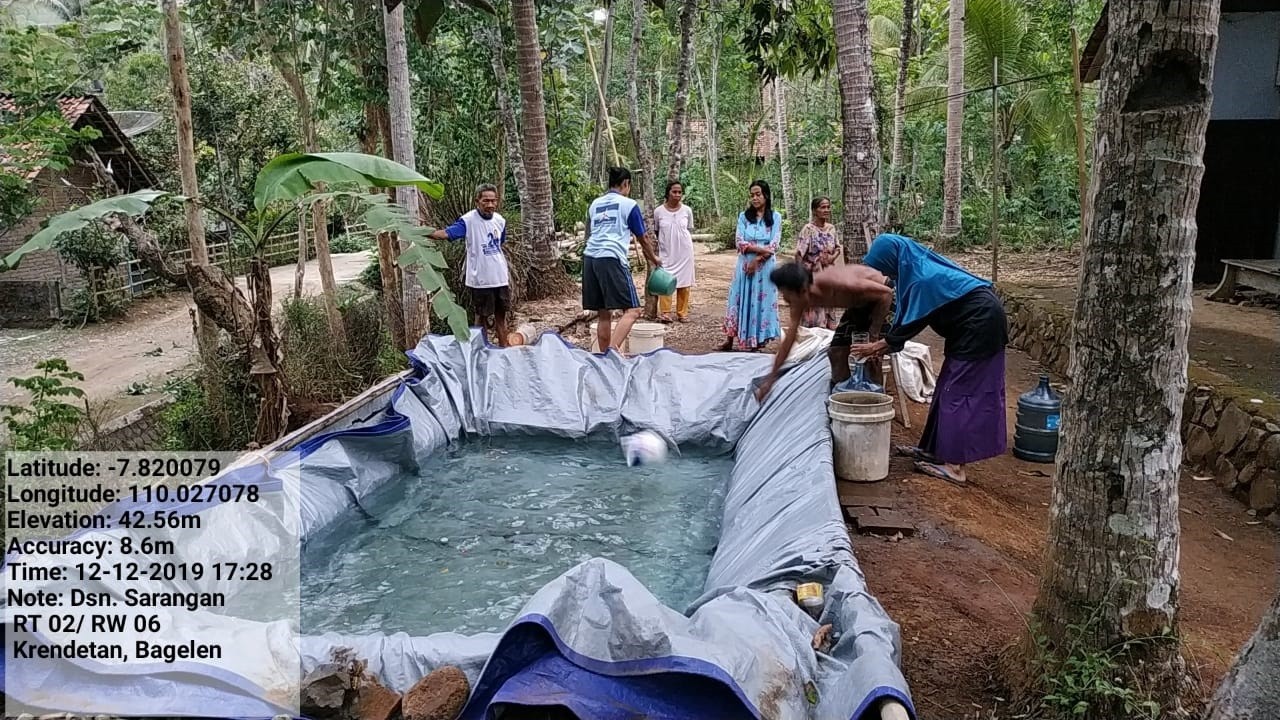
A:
596, 638
464, 543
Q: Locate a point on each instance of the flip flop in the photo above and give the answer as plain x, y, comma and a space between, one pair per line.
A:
913, 452
940, 472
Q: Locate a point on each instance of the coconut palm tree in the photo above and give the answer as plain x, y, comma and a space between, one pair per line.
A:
861, 151
951, 174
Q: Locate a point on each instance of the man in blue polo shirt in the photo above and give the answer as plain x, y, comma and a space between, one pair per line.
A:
612, 220
485, 232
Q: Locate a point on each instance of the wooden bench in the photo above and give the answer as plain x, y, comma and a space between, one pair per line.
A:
1261, 275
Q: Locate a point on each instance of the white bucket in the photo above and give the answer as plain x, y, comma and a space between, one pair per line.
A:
860, 425
646, 337
595, 341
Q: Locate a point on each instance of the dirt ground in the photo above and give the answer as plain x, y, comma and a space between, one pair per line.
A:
961, 587
149, 345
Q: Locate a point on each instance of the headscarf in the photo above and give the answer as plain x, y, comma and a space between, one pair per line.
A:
924, 280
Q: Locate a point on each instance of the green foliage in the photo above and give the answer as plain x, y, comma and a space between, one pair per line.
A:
316, 373
290, 176
726, 233
216, 409
47, 422
1078, 681
91, 248
371, 276
352, 243
790, 39
135, 203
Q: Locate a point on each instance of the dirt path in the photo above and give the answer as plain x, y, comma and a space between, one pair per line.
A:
152, 343
961, 587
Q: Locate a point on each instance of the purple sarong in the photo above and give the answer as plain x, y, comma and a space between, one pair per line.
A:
967, 416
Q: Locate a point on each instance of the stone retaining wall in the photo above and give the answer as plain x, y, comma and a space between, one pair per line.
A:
142, 429
1229, 431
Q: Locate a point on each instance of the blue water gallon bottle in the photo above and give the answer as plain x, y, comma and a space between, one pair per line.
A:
858, 380
1035, 436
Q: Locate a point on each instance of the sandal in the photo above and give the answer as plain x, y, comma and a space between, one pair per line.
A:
940, 472
912, 452
665, 319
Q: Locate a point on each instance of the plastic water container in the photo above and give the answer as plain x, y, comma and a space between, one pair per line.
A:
646, 337
858, 380
1035, 436
861, 427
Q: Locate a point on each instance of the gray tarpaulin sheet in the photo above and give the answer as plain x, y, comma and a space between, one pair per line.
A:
595, 639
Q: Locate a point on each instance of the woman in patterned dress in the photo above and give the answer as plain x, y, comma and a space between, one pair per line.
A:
817, 249
751, 320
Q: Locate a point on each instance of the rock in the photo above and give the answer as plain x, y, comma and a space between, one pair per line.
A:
1272, 428
1253, 441
1259, 421
1199, 444
1269, 453
441, 695
376, 702
1264, 491
324, 691
1232, 428
1245, 479
1209, 418
1225, 474
1198, 405
1274, 519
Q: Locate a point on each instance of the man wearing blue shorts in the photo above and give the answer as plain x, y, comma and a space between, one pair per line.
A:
612, 220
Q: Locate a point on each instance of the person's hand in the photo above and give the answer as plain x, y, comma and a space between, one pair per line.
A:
763, 391
750, 267
864, 351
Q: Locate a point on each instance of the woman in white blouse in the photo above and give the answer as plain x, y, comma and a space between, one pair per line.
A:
674, 222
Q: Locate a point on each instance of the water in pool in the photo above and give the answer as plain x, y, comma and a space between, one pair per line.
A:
464, 545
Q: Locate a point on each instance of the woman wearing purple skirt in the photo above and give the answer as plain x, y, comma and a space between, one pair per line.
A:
967, 416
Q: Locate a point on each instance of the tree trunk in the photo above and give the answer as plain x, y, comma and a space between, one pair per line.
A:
598, 163
861, 150
1111, 569
319, 214
1250, 691
712, 147
680, 109
951, 169
507, 114
416, 302
538, 217
899, 114
646, 169
180, 87
713, 115
300, 268
780, 127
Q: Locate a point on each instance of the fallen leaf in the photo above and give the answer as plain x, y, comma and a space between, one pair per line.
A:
1201, 478
1223, 535
1033, 473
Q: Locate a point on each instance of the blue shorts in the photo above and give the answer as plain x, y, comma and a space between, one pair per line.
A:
607, 285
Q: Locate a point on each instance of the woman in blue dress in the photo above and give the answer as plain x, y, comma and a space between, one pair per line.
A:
752, 317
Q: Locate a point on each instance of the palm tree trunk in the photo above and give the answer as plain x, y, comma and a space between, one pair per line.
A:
416, 300
899, 114
679, 112
598, 163
537, 218
861, 150
780, 127
1110, 577
951, 171
506, 113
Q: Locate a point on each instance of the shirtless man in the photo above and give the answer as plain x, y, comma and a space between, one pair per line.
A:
864, 293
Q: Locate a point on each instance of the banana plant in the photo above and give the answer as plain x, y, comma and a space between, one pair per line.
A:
289, 179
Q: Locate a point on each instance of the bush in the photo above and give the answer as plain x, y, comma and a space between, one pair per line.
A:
214, 409
316, 373
725, 232
371, 277
47, 421
352, 243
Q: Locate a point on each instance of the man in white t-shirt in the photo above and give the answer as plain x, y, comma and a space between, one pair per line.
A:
485, 232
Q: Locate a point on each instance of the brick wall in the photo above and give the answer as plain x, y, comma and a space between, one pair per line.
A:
54, 197
29, 303
1230, 432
